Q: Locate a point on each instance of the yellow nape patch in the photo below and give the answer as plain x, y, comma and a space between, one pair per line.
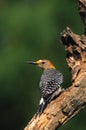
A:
52, 66
45, 64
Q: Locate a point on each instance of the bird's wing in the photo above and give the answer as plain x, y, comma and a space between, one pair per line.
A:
48, 87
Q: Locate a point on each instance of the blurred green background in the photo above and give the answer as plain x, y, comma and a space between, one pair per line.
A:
30, 30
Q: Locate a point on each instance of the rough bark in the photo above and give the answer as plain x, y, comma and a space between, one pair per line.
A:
73, 99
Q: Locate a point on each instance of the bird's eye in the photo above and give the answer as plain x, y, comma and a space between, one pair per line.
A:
43, 62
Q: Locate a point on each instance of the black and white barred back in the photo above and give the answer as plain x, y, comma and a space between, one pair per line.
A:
51, 80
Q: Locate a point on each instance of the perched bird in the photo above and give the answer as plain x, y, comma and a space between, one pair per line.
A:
50, 83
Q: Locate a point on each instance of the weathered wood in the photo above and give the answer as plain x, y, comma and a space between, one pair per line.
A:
73, 99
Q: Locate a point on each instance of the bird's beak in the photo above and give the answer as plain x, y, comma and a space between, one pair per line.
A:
31, 62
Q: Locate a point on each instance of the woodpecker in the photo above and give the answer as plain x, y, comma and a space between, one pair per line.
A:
50, 83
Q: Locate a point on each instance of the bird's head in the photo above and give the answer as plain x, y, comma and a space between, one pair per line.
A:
44, 64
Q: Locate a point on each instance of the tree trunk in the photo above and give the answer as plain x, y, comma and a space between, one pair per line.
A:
73, 99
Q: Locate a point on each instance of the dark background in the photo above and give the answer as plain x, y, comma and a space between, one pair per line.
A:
30, 30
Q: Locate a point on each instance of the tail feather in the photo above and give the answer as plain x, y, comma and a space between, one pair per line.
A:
44, 101
42, 105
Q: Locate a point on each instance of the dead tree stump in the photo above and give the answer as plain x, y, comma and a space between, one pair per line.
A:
73, 99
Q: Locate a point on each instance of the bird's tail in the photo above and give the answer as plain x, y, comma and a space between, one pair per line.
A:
42, 105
